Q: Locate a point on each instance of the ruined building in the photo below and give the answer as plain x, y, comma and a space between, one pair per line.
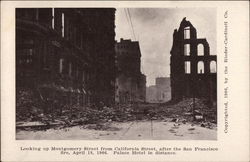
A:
160, 92
66, 55
193, 68
130, 82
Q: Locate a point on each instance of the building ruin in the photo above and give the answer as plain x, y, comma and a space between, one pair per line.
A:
66, 55
130, 82
193, 68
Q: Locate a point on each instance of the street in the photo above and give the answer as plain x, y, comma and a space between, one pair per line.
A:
134, 130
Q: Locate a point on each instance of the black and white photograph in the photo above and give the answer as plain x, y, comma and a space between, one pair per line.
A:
116, 74
124, 81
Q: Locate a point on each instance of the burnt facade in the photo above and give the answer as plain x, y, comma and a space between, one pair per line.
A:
193, 68
130, 82
66, 55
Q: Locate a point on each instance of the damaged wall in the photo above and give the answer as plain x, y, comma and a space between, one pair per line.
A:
193, 68
65, 54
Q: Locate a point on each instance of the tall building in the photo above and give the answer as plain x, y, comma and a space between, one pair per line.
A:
163, 89
130, 82
193, 68
160, 92
151, 93
66, 54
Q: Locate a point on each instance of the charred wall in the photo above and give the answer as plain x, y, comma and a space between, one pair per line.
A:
193, 68
66, 54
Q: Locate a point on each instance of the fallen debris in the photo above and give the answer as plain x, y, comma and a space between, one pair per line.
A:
30, 109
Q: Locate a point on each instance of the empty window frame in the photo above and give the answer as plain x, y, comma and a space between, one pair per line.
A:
213, 68
53, 18
200, 67
187, 50
187, 32
200, 50
62, 24
187, 67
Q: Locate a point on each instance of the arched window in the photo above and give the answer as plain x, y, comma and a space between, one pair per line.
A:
200, 67
187, 50
200, 50
187, 32
187, 67
213, 68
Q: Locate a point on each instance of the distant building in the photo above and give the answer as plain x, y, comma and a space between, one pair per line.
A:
67, 54
160, 92
151, 94
130, 82
193, 68
163, 89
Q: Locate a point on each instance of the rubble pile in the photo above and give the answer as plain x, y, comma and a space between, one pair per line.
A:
27, 105
31, 109
197, 111
74, 115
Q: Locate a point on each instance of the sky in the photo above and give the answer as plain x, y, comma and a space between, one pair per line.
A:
154, 27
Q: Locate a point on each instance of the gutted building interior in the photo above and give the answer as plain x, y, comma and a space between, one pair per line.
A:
193, 67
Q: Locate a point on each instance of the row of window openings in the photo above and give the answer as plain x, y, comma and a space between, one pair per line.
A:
200, 67
200, 50
25, 61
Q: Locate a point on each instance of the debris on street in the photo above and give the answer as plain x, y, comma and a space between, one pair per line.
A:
31, 114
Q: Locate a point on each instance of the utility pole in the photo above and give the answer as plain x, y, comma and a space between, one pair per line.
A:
194, 90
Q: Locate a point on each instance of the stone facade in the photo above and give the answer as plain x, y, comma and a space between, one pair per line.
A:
66, 54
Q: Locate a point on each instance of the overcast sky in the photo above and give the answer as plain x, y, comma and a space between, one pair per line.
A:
154, 29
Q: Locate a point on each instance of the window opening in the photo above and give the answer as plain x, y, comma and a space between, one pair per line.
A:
53, 18
187, 32
187, 49
200, 50
200, 68
187, 67
213, 67
62, 24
